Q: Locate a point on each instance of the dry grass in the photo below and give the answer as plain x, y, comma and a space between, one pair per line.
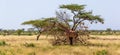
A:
15, 46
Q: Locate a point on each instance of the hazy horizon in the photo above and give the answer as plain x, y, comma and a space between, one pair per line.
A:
14, 12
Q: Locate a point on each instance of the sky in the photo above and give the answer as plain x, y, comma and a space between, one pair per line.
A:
14, 12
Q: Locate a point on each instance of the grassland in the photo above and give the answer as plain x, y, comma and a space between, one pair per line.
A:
27, 45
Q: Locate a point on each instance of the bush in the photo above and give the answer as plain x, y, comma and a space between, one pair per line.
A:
103, 52
29, 45
2, 43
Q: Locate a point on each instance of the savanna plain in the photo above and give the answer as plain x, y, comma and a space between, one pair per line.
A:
28, 45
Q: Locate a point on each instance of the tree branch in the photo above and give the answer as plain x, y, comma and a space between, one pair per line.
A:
77, 24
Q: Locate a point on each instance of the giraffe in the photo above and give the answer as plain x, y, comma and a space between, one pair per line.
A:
70, 34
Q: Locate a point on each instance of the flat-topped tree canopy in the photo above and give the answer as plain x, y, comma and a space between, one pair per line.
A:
39, 23
44, 24
80, 15
35, 23
90, 17
73, 7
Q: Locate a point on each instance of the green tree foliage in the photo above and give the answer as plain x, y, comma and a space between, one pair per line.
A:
19, 31
80, 15
109, 30
41, 24
5, 32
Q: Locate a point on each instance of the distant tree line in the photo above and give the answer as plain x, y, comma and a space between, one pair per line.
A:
29, 31
108, 31
32, 31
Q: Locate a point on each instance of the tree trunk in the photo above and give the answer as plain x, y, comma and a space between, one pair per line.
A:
38, 35
71, 40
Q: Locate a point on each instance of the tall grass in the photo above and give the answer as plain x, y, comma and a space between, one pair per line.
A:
102, 52
29, 45
2, 43
2, 53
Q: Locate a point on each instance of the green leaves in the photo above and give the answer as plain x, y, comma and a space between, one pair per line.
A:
80, 15
79, 12
73, 7
36, 23
51, 19
40, 23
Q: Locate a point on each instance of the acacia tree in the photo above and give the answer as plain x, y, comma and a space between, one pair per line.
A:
68, 26
41, 25
19, 31
109, 30
5, 32
77, 21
